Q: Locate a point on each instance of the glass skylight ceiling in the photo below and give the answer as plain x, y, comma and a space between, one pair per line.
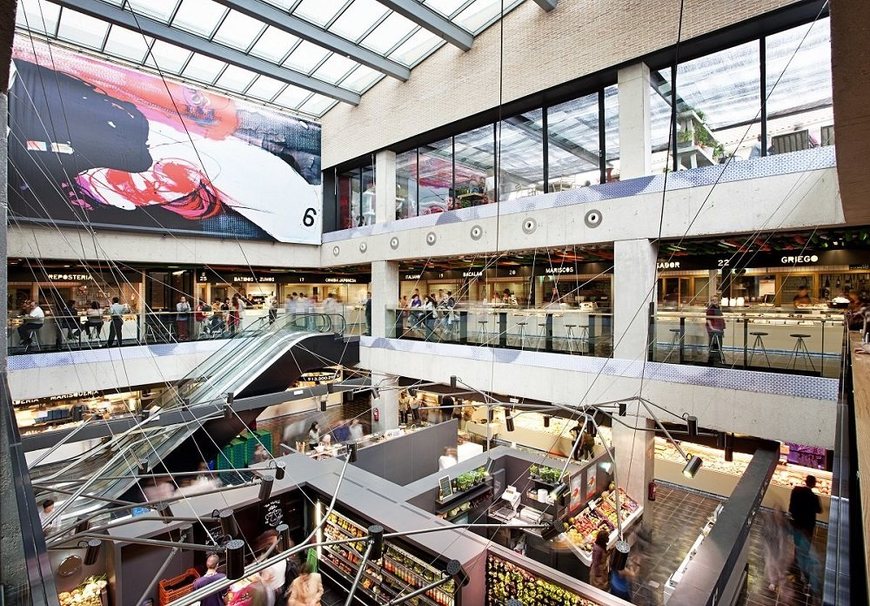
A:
366, 23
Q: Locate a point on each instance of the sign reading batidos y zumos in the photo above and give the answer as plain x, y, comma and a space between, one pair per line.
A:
98, 144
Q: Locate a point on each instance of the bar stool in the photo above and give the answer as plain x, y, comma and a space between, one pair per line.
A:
800, 348
675, 341
585, 346
542, 334
758, 343
522, 334
482, 332
570, 337
34, 339
716, 339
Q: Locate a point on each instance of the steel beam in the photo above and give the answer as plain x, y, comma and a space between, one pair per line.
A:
547, 5
116, 16
428, 19
303, 29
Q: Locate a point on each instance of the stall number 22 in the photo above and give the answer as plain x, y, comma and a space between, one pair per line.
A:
723, 262
308, 217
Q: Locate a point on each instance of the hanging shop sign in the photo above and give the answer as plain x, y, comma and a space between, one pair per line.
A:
272, 513
67, 396
573, 269
854, 259
325, 278
58, 277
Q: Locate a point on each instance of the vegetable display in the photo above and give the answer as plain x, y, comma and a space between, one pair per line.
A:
505, 580
86, 594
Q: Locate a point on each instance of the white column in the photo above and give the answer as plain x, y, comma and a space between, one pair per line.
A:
385, 293
634, 454
385, 186
635, 158
634, 287
387, 404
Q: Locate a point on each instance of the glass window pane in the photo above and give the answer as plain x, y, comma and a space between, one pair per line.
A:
320, 12
348, 199
334, 69
358, 19
235, 78
446, 7
660, 119
719, 105
799, 88
292, 96
389, 33
238, 30
481, 13
168, 57
37, 16
611, 133
416, 47
274, 44
156, 9
474, 155
406, 184
369, 200
202, 68
127, 44
317, 105
82, 29
435, 192
265, 88
306, 57
521, 172
361, 79
573, 143
199, 16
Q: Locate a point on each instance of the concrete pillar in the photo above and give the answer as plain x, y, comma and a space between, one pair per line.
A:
635, 159
385, 186
387, 404
712, 285
385, 294
634, 287
634, 454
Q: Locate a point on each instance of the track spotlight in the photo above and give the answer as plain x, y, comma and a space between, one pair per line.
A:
693, 464
559, 493
546, 420
620, 555
266, 488
352, 453
376, 536
228, 406
729, 447
83, 526
330, 388
280, 470
692, 426
454, 569
92, 551
623, 409
229, 526
509, 421
550, 532
375, 393
143, 468
323, 404
235, 559
490, 414
453, 381
284, 541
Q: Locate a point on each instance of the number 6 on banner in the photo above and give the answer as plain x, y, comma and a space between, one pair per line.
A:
308, 217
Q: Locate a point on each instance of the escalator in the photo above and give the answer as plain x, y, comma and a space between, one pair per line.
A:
266, 358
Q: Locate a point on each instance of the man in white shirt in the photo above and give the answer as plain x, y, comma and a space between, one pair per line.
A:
448, 459
116, 311
356, 430
274, 576
33, 321
47, 509
182, 320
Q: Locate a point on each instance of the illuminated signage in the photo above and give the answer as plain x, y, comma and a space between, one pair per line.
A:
559, 270
799, 259
253, 278
69, 277
472, 273
668, 265
344, 280
412, 276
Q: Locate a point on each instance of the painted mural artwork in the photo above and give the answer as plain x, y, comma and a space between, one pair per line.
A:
98, 144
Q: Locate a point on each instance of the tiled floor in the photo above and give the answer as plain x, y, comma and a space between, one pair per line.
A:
676, 519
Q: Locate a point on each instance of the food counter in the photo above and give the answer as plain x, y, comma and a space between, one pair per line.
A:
54, 413
676, 577
718, 476
600, 514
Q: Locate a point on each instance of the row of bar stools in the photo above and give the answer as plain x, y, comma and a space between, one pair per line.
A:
759, 344
800, 348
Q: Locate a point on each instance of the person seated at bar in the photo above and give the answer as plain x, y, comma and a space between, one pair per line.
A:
802, 299
33, 321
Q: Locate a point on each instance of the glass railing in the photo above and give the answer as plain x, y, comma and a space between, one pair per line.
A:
569, 331
776, 341
82, 332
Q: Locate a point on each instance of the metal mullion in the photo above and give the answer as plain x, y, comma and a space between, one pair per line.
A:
337, 15
459, 10
762, 55
673, 126
417, 181
371, 28
320, 64
217, 26
150, 46
106, 39
304, 101
453, 169
256, 38
401, 41
278, 94
221, 73
602, 138
186, 63
57, 25
286, 56
545, 127
496, 156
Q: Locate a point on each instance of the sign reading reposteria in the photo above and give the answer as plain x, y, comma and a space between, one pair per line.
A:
114, 147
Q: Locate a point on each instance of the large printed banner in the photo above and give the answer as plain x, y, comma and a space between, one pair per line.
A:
94, 143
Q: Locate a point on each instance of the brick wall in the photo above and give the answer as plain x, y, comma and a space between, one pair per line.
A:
542, 50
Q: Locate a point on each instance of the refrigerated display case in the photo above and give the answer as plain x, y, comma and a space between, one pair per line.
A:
600, 514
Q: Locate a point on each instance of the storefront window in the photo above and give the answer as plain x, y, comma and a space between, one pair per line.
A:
798, 82
406, 184
573, 144
369, 200
521, 172
474, 167
611, 133
718, 106
435, 182
660, 119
